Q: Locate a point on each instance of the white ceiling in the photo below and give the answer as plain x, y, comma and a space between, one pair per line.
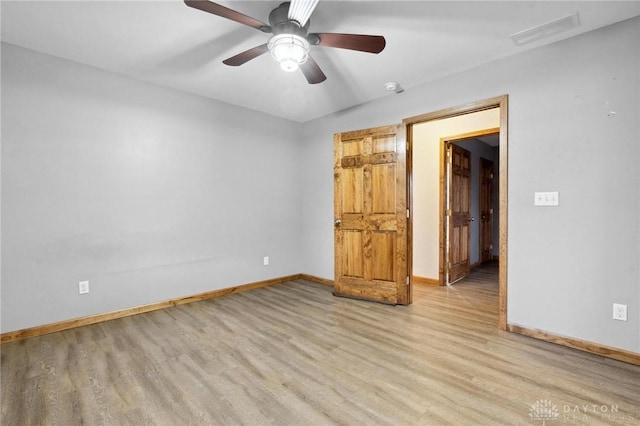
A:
170, 44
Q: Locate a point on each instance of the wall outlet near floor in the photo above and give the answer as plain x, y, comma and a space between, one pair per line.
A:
619, 312
265, 261
83, 287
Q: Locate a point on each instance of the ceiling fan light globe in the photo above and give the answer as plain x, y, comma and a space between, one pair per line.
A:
289, 50
289, 65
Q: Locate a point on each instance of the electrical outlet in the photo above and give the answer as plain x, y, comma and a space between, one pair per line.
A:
619, 312
545, 199
265, 261
83, 287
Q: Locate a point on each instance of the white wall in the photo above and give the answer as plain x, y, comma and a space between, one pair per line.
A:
568, 264
426, 184
148, 193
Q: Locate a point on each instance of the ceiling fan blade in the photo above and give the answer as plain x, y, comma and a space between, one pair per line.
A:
225, 12
312, 71
359, 42
301, 10
246, 56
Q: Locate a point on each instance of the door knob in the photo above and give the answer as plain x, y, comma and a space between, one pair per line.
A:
337, 222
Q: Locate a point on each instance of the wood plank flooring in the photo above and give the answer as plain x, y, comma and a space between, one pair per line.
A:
293, 354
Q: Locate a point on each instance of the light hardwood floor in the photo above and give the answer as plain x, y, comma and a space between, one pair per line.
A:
293, 354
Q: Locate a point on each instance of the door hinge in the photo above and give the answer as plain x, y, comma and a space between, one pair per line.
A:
490, 211
447, 266
447, 212
490, 246
491, 175
407, 279
408, 214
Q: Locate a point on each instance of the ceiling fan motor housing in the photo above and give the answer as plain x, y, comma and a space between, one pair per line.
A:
281, 24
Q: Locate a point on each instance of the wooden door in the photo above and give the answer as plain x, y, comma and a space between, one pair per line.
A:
486, 210
370, 206
458, 212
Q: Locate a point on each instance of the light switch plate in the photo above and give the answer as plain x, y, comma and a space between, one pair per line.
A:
545, 199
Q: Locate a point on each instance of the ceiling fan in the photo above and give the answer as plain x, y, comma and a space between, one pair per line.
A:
289, 23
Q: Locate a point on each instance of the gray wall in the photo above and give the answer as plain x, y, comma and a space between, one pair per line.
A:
567, 264
152, 194
148, 193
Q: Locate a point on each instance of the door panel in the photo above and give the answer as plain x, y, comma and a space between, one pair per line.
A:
384, 247
459, 212
486, 210
353, 259
383, 188
370, 211
352, 190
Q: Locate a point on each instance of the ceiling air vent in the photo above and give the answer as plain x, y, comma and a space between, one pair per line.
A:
546, 30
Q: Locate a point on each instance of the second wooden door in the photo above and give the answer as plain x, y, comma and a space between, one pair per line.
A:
458, 212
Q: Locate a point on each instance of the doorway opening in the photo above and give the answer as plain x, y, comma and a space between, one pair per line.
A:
499, 104
469, 181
